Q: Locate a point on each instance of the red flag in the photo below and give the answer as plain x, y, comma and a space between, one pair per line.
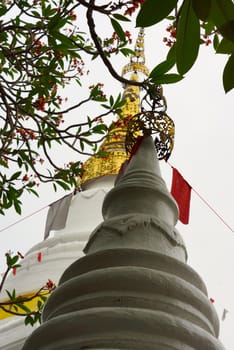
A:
136, 146
181, 191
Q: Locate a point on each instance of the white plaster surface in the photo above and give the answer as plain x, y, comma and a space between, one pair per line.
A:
58, 252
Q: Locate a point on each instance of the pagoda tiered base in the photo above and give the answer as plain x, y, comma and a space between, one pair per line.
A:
128, 299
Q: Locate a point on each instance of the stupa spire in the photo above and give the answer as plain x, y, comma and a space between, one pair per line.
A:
137, 61
114, 144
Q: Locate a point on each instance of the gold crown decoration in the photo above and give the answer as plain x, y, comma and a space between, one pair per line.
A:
114, 144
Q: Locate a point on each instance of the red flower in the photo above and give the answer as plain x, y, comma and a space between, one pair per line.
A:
135, 5
59, 54
25, 178
50, 285
40, 103
72, 15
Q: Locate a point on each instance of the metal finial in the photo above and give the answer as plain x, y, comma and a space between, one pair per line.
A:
137, 61
154, 120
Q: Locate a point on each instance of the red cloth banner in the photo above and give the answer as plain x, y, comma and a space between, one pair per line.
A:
39, 256
181, 191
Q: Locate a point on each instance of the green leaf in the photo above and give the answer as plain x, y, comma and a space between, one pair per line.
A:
39, 304
121, 17
209, 27
43, 298
66, 42
31, 190
14, 260
153, 11
15, 175
56, 22
100, 98
36, 14
227, 30
16, 266
202, 8
188, 38
3, 10
222, 14
17, 206
111, 100
170, 18
171, 55
19, 162
81, 145
28, 320
13, 294
162, 68
94, 57
7, 203
126, 52
102, 153
49, 11
63, 185
99, 129
105, 106
11, 261
89, 121
3, 163
23, 307
9, 294
167, 78
216, 41
228, 74
225, 46
3, 37
118, 29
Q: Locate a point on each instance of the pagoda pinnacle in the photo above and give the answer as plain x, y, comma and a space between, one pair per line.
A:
137, 61
114, 144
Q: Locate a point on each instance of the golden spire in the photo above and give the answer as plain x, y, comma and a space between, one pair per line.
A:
137, 61
114, 144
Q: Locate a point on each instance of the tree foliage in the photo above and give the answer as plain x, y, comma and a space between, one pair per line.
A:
42, 51
194, 23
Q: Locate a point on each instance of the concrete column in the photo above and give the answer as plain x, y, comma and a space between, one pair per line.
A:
133, 289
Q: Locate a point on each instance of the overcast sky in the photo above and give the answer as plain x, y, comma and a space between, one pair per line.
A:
203, 153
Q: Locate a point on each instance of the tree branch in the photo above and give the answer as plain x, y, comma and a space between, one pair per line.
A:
105, 60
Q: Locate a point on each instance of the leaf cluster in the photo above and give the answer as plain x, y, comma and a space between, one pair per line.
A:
216, 17
42, 52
